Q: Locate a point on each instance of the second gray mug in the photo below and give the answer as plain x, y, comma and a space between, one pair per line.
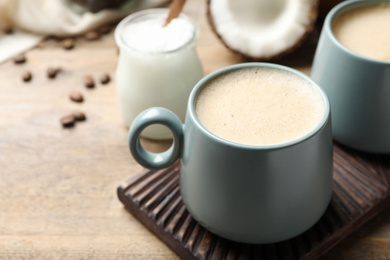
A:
358, 88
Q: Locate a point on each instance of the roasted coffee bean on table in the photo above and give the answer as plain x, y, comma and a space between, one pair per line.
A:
105, 78
52, 72
8, 29
89, 82
79, 116
98, 5
26, 76
67, 121
67, 43
92, 36
20, 58
105, 29
76, 96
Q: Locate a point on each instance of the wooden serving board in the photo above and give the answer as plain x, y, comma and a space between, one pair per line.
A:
360, 191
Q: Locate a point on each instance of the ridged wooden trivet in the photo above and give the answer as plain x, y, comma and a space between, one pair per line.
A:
361, 190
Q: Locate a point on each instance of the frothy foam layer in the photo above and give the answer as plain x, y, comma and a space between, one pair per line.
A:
259, 106
147, 33
365, 30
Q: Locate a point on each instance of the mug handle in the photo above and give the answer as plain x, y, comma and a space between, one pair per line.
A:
156, 115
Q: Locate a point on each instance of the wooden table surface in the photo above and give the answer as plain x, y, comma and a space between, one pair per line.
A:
58, 186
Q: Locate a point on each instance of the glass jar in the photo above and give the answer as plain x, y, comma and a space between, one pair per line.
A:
152, 78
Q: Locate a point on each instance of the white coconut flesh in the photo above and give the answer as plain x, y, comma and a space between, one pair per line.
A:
261, 28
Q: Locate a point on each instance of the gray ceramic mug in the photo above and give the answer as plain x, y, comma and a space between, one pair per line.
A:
252, 194
358, 88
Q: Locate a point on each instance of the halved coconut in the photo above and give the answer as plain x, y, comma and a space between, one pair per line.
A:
262, 29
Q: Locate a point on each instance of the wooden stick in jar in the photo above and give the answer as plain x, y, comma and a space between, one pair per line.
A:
174, 11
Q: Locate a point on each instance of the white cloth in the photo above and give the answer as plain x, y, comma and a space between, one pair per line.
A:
32, 20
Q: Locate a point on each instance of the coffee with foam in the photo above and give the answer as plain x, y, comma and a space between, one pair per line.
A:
365, 30
259, 106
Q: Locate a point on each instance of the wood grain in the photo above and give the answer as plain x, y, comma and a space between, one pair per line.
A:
58, 186
361, 190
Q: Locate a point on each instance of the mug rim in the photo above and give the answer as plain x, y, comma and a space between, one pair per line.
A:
340, 9
194, 93
122, 44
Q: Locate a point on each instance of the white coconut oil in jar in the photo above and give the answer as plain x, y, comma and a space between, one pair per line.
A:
158, 66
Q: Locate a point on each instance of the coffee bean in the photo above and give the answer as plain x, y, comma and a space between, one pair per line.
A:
8, 29
26, 76
19, 59
92, 36
105, 78
79, 116
76, 97
52, 72
105, 29
67, 43
89, 82
67, 121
